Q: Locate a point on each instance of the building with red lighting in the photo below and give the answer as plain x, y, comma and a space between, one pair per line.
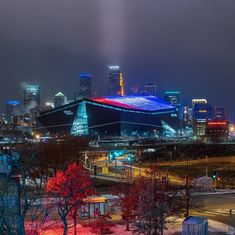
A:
111, 116
217, 130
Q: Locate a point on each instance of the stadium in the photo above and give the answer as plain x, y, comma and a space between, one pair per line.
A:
111, 116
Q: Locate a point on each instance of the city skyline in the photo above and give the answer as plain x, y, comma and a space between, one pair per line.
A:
187, 46
141, 91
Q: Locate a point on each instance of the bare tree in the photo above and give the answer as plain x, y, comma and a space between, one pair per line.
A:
158, 201
8, 209
127, 202
57, 155
25, 167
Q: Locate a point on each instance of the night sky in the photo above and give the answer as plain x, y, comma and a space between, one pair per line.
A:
178, 44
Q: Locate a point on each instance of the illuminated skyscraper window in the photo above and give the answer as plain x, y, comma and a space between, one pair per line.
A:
80, 124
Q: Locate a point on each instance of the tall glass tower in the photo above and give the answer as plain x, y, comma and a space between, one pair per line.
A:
85, 88
31, 96
12, 106
115, 81
85, 85
172, 97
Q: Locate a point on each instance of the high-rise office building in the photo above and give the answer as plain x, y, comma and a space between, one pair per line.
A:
217, 130
31, 96
202, 113
60, 99
12, 108
151, 89
221, 113
85, 85
115, 81
172, 97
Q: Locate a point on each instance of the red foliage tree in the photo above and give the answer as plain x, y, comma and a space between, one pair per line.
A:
69, 188
102, 226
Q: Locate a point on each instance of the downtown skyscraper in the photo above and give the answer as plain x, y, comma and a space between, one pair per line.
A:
85, 85
115, 81
31, 96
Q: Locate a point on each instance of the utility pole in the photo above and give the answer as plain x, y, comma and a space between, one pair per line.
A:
187, 189
131, 172
230, 220
116, 168
140, 169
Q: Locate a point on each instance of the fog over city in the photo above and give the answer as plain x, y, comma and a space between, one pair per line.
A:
185, 45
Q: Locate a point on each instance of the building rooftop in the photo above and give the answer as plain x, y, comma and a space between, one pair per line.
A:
59, 94
142, 103
129, 102
195, 220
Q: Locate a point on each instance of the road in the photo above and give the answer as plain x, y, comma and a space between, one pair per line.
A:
216, 207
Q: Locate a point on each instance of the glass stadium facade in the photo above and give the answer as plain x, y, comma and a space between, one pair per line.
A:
111, 116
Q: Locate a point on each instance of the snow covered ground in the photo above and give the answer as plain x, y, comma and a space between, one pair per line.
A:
120, 229
214, 226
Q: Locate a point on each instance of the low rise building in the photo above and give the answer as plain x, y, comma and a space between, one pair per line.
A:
217, 130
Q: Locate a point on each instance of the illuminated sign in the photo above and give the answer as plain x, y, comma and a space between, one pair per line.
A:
217, 123
202, 111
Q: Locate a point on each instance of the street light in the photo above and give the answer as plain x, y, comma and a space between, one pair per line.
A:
214, 177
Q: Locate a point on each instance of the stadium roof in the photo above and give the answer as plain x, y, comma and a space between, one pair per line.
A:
129, 102
142, 103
